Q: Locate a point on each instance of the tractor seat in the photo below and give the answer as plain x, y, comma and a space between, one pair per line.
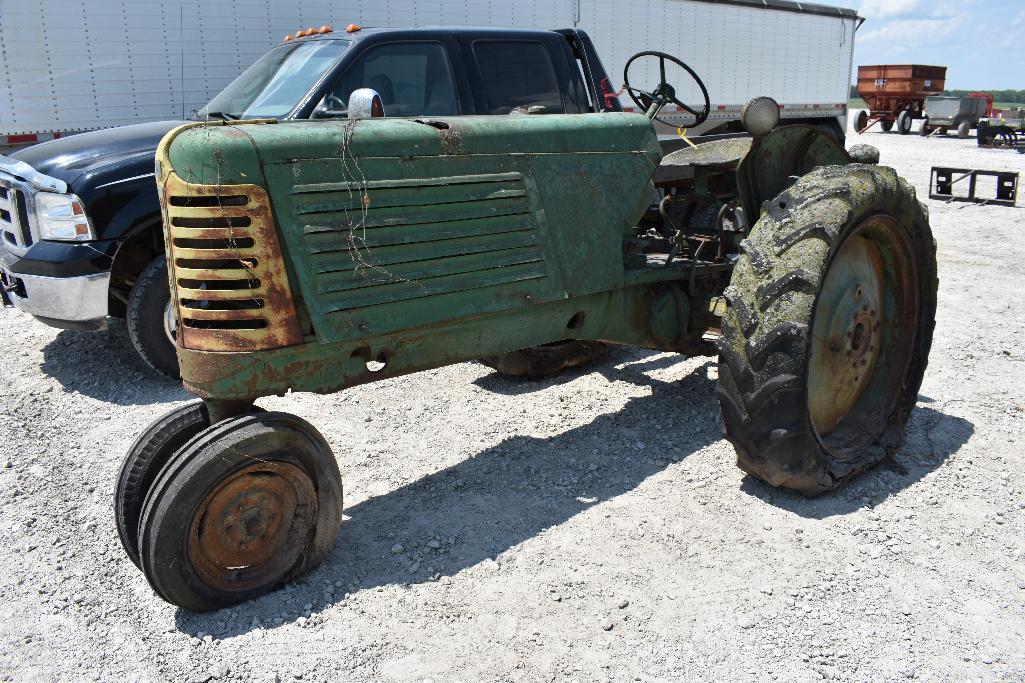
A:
714, 155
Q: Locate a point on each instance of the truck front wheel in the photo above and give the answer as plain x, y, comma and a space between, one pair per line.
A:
828, 329
151, 320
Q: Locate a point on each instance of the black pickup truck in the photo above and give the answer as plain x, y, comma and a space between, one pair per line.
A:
80, 233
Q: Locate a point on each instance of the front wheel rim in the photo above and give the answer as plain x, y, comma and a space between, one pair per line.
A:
253, 527
863, 336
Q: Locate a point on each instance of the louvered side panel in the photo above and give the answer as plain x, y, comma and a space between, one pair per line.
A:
416, 243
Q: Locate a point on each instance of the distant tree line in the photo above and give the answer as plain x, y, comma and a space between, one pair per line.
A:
1007, 96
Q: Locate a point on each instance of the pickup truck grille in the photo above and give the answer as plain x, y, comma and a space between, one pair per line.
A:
14, 226
230, 285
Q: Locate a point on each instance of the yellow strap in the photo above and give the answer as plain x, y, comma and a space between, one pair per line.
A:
682, 132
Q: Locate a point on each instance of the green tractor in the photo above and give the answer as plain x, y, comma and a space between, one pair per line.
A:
315, 256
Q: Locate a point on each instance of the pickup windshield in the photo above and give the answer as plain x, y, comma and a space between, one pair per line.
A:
272, 86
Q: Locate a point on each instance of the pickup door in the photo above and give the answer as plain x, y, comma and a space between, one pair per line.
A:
454, 74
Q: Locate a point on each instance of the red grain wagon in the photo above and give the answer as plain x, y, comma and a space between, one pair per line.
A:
895, 93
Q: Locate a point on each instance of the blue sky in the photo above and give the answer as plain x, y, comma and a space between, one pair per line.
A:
982, 42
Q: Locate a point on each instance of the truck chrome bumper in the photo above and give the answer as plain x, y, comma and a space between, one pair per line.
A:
69, 302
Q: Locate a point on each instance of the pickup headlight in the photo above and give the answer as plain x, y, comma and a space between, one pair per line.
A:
62, 217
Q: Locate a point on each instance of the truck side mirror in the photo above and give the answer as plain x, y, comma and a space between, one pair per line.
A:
365, 103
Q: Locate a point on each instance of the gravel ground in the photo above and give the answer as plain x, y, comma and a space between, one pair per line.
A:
591, 527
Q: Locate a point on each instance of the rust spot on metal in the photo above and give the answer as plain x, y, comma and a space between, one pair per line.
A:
253, 527
451, 140
863, 334
226, 267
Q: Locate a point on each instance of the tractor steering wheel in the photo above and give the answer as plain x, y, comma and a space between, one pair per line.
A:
664, 93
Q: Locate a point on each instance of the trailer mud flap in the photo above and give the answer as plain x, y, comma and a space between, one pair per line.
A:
964, 181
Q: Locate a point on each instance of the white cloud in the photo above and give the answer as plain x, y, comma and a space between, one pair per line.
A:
912, 32
887, 8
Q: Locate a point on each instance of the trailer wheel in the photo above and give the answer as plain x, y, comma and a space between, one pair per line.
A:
828, 329
545, 360
904, 121
861, 121
964, 129
151, 320
886, 125
249, 504
925, 129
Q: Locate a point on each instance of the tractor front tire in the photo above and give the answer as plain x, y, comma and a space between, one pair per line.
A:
147, 456
548, 359
828, 329
247, 505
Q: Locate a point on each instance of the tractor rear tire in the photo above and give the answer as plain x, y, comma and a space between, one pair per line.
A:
827, 334
548, 359
904, 121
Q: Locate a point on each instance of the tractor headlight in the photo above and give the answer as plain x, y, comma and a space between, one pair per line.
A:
62, 217
759, 116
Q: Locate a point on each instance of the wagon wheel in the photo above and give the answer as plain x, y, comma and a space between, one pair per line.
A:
861, 121
249, 504
664, 92
828, 329
904, 121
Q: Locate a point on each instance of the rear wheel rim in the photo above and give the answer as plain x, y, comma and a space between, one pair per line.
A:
253, 527
863, 336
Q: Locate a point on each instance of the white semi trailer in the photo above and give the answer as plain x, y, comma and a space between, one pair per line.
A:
68, 66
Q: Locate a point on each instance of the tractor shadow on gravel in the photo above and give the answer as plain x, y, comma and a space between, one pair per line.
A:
643, 359
473, 512
103, 365
478, 509
932, 437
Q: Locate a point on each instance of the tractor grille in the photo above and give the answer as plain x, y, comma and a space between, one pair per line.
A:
14, 225
230, 284
384, 241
